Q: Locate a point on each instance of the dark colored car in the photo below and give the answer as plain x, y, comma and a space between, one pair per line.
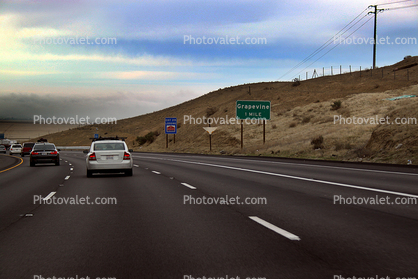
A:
44, 153
27, 148
3, 149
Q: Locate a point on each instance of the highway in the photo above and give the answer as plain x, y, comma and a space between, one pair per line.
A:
195, 216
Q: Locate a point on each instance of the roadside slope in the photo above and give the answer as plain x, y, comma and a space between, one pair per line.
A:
299, 113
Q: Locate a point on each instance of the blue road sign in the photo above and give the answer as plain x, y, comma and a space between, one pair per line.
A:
171, 125
96, 136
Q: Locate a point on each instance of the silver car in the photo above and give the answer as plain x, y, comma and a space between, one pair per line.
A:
109, 155
15, 149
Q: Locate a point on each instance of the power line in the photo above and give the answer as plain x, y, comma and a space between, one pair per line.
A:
394, 2
327, 43
334, 46
397, 8
323, 46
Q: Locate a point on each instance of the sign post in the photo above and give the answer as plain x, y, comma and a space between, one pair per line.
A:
242, 134
264, 131
170, 128
253, 110
210, 130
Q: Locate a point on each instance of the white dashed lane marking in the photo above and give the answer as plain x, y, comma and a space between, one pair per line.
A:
274, 228
188, 185
49, 196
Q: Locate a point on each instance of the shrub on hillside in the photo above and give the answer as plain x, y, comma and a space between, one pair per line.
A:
363, 152
211, 111
150, 137
336, 105
306, 119
318, 142
296, 82
141, 140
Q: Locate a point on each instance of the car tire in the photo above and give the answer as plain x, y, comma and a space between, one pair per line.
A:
22, 155
89, 173
128, 172
32, 164
57, 163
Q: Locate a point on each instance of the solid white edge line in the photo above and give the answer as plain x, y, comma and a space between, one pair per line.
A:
188, 185
300, 178
136, 166
156, 172
67, 177
49, 196
307, 165
274, 228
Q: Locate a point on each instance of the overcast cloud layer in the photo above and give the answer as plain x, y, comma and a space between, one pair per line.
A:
149, 66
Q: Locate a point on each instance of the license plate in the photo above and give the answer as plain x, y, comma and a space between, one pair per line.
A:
44, 153
109, 157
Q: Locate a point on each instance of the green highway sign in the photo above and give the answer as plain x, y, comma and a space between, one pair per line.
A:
253, 109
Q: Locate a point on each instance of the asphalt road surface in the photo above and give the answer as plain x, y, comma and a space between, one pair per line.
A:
195, 216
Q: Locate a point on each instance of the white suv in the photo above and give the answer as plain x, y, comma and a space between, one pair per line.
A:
109, 155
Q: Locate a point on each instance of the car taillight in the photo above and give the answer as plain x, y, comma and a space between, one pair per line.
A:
34, 153
126, 156
54, 153
92, 157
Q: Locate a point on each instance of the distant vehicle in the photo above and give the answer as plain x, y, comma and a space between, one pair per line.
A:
27, 148
109, 155
44, 153
7, 143
15, 149
3, 149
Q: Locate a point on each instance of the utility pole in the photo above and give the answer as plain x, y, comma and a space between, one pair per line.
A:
376, 11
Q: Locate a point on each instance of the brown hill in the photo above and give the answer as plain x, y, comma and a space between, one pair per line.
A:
299, 114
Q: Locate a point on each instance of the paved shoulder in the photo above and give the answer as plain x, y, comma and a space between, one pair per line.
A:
7, 162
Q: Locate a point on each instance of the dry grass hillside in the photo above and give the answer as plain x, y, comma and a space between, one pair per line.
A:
299, 114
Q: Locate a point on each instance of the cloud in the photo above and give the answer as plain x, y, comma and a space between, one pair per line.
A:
26, 105
150, 59
26, 73
154, 75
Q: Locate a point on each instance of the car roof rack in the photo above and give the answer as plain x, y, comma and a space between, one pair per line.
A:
108, 138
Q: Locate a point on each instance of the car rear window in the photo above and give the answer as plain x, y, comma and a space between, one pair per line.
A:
109, 146
44, 147
28, 144
16, 146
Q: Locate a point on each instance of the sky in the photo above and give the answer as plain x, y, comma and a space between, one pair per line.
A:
125, 58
